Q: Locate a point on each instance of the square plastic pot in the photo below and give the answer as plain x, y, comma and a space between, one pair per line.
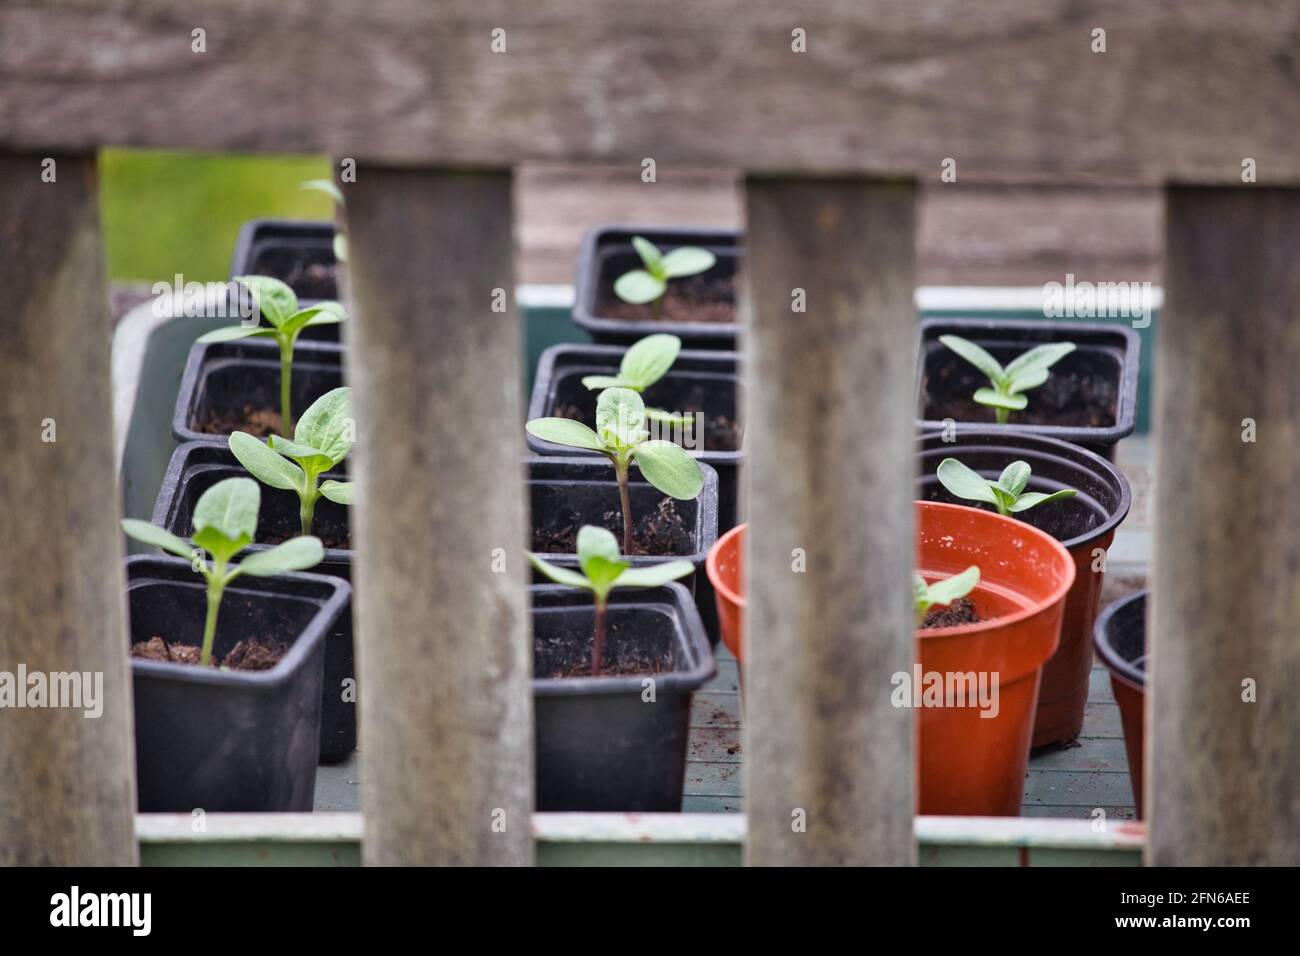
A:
604, 743
606, 253
228, 741
570, 492
1121, 639
1105, 366
704, 381
1084, 524
297, 252
225, 377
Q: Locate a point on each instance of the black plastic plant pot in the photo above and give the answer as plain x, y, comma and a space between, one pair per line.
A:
567, 493
707, 382
234, 386
1085, 523
1090, 398
616, 742
1121, 639
297, 252
197, 466
701, 310
228, 741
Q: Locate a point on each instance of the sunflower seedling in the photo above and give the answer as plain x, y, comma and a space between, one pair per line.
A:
225, 521
321, 441
603, 570
621, 437
328, 187
639, 286
1007, 494
643, 364
278, 304
944, 592
1008, 385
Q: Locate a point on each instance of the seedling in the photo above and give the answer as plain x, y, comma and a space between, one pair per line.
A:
321, 441
640, 286
1025, 371
621, 437
328, 187
942, 592
603, 569
1007, 494
277, 304
225, 521
643, 364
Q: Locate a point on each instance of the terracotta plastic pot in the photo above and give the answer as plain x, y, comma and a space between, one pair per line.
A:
727, 575
1083, 524
970, 763
1121, 638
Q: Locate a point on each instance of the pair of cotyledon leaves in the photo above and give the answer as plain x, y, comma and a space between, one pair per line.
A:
640, 286
1022, 373
604, 569
278, 305
321, 440
644, 363
1007, 494
225, 522
620, 434
942, 592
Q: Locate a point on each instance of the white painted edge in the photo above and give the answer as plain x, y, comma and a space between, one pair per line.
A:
703, 828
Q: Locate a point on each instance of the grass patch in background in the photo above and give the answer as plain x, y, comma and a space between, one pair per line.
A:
170, 212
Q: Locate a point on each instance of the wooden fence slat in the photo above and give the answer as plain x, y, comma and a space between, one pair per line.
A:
1223, 773
1010, 91
67, 781
829, 433
444, 660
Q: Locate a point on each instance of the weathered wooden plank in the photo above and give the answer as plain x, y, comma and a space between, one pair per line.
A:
67, 780
1009, 90
443, 647
829, 617
1223, 752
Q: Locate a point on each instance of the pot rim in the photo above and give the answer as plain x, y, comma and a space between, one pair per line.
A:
711, 566
1057, 596
989, 439
1118, 667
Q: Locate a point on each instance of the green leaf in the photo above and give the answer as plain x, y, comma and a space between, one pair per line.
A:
995, 399
296, 554
1014, 477
275, 301
1033, 498
228, 333
1040, 358
667, 467
639, 287
311, 459
620, 417
340, 247
687, 261
964, 482
602, 573
647, 361
595, 542
976, 356
957, 586
565, 576
320, 314
650, 255
654, 575
920, 592
219, 545
230, 506
668, 418
339, 492
565, 431
600, 382
327, 424
264, 464
1027, 380
325, 186
147, 533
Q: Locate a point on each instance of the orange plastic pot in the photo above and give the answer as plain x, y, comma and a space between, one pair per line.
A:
972, 758
1085, 524
726, 573
1121, 639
